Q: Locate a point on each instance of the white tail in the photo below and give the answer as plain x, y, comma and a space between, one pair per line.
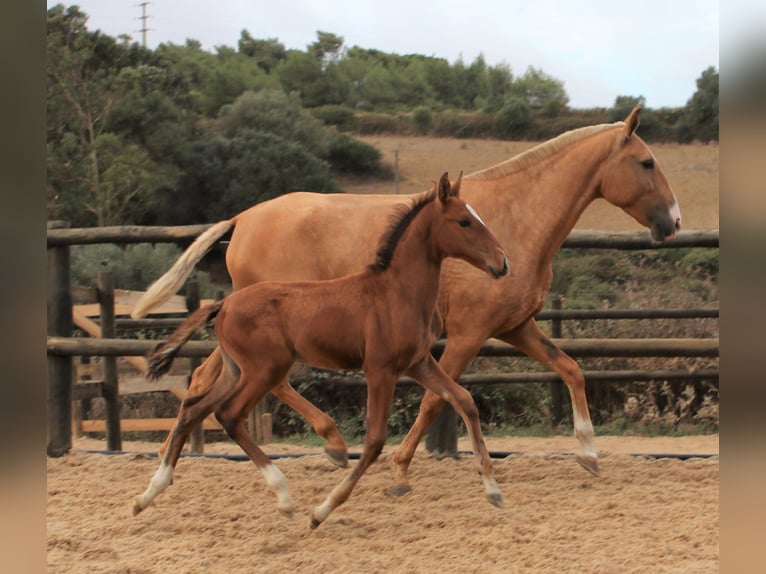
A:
169, 284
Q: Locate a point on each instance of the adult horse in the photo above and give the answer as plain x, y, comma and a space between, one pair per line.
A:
382, 320
531, 202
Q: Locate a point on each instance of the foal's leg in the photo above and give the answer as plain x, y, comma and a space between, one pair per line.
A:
429, 374
457, 354
529, 339
192, 411
202, 378
380, 395
336, 449
232, 413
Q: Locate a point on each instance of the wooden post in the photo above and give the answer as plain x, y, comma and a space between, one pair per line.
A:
557, 411
441, 440
197, 437
59, 439
110, 386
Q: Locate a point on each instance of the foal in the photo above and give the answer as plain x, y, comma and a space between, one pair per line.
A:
382, 320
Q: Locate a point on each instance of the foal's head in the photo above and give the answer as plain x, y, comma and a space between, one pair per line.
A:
460, 232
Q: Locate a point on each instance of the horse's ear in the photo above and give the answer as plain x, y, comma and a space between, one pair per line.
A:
445, 190
632, 121
455, 190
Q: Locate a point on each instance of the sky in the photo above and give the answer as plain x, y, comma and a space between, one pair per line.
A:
599, 49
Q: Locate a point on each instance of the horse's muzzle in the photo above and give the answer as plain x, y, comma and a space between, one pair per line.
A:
497, 273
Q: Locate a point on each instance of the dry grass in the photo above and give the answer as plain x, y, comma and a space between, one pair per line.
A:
692, 171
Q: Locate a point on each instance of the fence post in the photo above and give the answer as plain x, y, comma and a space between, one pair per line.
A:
110, 386
59, 439
197, 437
441, 440
557, 410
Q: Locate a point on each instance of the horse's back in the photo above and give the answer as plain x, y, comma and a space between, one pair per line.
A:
307, 236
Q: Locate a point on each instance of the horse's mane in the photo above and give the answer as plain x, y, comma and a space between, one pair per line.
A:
539, 152
401, 217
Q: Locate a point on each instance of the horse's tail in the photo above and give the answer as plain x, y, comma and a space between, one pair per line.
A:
161, 357
169, 284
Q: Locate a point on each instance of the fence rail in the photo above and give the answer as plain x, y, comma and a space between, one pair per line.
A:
61, 346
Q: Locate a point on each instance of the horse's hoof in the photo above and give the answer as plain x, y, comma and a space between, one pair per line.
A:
589, 463
137, 507
495, 499
288, 512
315, 522
337, 456
398, 490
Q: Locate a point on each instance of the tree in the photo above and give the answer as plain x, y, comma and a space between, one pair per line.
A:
265, 53
223, 176
542, 92
515, 116
701, 114
273, 111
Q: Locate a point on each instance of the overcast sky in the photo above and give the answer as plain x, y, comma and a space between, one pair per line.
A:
599, 48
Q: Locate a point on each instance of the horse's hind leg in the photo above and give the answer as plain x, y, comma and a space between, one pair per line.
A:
336, 449
202, 378
192, 411
231, 414
429, 374
529, 339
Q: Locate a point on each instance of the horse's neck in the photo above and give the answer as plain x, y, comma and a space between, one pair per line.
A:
417, 263
533, 210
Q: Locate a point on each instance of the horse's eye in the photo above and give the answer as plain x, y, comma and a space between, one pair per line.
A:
648, 163
464, 222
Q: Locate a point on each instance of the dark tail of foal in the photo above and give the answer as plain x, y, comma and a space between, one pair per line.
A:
161, 357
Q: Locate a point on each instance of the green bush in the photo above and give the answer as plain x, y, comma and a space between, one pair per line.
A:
423, 120
340, 117
349, 155
133, 267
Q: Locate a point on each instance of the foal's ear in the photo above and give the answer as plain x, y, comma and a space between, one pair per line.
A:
445, 190
632, 122
455, 190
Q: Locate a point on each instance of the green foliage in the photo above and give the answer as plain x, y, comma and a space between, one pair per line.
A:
700, 121
340, 117
541, 92
515, 116
224, 176
349, 155
274, 112
423, 120
133, 267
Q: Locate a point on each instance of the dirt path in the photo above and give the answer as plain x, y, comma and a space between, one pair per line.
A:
642, 515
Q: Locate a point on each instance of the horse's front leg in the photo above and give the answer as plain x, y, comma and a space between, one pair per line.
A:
335, 449
529, 339
457, 354
380, 395
429, 374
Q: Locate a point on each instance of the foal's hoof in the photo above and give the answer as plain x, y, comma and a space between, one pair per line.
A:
398, 490
495, 499
589, 463
315, 522
287, 512
337, 456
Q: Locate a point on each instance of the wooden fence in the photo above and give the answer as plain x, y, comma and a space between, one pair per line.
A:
62, 346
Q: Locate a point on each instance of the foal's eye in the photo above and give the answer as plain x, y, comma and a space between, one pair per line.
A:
648, 163
464, 222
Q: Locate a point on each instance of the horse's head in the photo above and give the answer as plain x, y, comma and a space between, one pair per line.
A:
462, 234
632, 179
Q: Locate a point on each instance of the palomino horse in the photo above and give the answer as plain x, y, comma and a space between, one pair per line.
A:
531, 202
382, 320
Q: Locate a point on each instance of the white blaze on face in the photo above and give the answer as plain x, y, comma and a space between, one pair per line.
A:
476, 215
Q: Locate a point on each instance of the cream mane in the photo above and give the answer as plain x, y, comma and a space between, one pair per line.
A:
540, 152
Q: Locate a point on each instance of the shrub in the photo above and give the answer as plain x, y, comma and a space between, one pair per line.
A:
349, 155
423, 120
339, 116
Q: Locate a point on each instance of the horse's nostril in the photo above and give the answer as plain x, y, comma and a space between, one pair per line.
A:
678, 224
